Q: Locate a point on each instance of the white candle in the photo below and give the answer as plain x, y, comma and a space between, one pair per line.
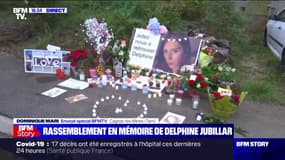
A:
159, 94
97, 102
149, 96
82, 76
107, 97
195, 104
178, 101
117, 87
169, 101
93, 110
112, 96
154, 95
171, 96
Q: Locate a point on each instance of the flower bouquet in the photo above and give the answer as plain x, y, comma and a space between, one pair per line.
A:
224, 102
220, 74
195, 83
206, 56
120, 51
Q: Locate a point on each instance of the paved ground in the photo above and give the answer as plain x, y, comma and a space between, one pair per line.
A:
20, 97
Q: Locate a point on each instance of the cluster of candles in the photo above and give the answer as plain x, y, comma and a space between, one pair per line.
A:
170, 100
118, 110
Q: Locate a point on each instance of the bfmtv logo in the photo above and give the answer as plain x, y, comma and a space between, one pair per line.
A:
25, 131
20, 13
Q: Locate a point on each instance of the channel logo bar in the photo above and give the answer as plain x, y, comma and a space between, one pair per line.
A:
48, 10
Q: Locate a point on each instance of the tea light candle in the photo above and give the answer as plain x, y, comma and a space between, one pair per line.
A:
125, 104
93, 110
145, 112
97, 102
94, 114
178, 101
112, 96
127, 101
149, 96
154, 95
102, 99
171, 96
169, 101
107, 97
95, 106
117, 87
138, 103
120, 98
159, 94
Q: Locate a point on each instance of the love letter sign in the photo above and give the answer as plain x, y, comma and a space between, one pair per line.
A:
43, 61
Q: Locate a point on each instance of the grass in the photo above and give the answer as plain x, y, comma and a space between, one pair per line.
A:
258, 71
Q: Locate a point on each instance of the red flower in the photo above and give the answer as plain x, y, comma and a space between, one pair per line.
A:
199, 77
217, 95
191, 83
73, 63
236, 99
203, 84
77, 54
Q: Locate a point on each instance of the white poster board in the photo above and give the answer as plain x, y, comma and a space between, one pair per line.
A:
143, 49
44, 61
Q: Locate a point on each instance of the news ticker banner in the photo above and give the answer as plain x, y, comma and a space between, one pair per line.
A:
89, 128
186, 148
115, 149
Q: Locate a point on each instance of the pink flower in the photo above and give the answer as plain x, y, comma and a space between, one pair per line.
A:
163, 29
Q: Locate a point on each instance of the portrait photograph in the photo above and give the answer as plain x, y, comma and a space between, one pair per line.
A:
176, 53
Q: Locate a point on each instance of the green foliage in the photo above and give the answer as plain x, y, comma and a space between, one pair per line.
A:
221, 21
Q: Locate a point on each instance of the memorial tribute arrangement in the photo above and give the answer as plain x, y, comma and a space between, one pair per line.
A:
153, 60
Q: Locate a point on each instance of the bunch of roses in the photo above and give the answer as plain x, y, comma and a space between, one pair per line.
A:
234, 98
198, 82
76, 55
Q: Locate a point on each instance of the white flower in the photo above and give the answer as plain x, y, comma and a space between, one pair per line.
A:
121, 53
233, 69
220, 68
198, 85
